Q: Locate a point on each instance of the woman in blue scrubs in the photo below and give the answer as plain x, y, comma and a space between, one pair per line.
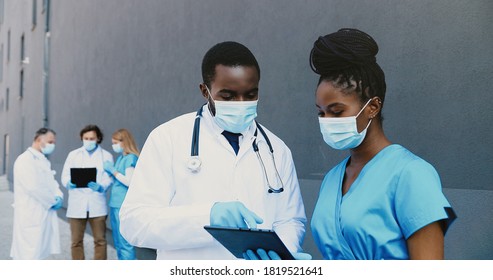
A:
381, 202
128, 153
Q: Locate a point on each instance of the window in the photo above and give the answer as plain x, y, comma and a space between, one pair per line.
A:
2, 7
8, 46
7, 93
44, 7
22, 48
35, 8
21, 85
1, 63
6, 151
46, 11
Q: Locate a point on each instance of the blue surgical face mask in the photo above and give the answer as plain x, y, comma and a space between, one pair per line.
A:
117, 148
234, 116
89, 145
342, 133
48, 148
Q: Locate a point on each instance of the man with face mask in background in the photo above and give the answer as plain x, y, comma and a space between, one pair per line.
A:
37, 196
88, 203
214, 167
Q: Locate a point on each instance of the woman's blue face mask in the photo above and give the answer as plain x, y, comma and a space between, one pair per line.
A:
342, 133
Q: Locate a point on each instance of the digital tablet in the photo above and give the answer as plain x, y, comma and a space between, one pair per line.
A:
82, 176
239, 240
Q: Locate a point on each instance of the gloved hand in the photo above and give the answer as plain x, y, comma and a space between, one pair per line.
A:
271, 255
260, 255
233, 214
58, 204
71, 186
301, 256
95, 187
108, 167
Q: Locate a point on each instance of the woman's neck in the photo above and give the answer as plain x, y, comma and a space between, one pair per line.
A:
374, 142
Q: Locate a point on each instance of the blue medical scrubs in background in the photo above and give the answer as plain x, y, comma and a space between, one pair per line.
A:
395, 194
124, 249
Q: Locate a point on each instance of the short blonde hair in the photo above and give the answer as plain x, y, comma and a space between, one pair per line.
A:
126, 137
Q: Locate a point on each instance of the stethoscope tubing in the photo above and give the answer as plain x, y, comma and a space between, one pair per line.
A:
195, 162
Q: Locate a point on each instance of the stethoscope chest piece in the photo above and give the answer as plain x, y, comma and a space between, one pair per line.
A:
194, 164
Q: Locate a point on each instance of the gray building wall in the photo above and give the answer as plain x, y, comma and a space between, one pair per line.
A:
20, 116
136, 64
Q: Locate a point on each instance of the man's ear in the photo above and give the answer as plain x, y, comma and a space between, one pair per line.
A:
203, 91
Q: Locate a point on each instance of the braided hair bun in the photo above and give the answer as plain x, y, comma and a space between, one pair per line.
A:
343, 49
347, 56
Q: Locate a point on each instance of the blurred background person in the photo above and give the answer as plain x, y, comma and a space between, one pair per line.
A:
88, 203
122, 171
37, 196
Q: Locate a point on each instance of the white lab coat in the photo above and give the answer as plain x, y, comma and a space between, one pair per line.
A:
167, 205
82, 201
36, 234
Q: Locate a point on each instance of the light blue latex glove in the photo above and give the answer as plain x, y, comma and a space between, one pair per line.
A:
71, 185
233, 214
58, 204
108, 167
271, 255
95, 187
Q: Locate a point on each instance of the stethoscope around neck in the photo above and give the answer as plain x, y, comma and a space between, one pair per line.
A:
194, 163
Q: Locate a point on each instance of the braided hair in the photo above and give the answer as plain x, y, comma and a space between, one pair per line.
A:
347, 59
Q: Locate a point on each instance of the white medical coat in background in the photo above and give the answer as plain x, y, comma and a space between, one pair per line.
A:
36, 234
84, 200
167, 205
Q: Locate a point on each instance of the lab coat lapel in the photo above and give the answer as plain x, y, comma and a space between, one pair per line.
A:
245, 146
40, 160
248, 138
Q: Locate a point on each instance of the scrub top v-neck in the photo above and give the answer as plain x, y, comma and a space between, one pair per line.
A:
395, 194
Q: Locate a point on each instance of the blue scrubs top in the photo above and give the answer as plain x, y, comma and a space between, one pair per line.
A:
395, 194
119, 190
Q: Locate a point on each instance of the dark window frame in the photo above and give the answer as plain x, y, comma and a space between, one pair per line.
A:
34, 14
7, 99
23, 47
21, 84
8, 45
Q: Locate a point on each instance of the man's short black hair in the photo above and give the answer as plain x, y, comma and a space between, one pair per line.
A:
228, 54
95, 128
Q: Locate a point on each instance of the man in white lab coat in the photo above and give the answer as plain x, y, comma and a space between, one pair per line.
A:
87, 204
37, 196
202, 169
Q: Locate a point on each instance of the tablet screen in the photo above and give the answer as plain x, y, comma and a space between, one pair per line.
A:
82, 176
239, 240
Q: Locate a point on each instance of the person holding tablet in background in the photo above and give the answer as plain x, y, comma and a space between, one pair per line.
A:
88, 204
